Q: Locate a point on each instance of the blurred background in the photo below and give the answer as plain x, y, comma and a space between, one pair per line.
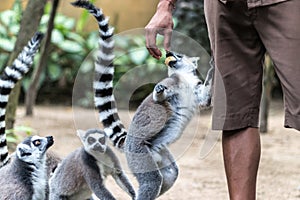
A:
59, 89
74, 36
69, 50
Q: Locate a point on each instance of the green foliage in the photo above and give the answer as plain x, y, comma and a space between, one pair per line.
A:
190, 20
70, 46
67, 49
131, 52
82, 21
13, 135
9, 28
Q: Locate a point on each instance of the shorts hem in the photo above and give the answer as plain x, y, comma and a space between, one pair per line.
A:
235, 122
292, 121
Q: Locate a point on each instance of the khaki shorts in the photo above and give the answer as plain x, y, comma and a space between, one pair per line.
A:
239, 39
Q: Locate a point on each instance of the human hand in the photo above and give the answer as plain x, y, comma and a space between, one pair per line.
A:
161, 23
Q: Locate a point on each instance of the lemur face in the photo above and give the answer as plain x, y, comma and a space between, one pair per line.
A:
94, 140
33, 148
180, 63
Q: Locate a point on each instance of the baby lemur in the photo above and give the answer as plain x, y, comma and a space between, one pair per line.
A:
85, 170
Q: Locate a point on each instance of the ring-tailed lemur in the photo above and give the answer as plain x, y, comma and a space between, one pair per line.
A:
85, 170
25, 176
159, 120
8, 80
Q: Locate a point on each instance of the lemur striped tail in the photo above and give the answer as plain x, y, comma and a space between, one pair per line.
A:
103, 79
9, 77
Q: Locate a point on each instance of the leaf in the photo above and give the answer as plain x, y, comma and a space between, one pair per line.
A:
3, 60
139, 41
87, 66
64, 22
90, 42
45, 19
57, 37
76, 37
14, 28
54, 71
59, 19
10, 139
3, 30
26, 129
17, 9
6, 44
122, 42
69, 23
70, 46
48, 8
138, 56
82, 21
6, 17
122, 60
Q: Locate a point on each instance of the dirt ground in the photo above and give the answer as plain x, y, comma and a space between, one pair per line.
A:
201, 172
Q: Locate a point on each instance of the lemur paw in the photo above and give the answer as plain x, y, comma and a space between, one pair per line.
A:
160, 88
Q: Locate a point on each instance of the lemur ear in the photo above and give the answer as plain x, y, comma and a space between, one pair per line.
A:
80, 133
195, 60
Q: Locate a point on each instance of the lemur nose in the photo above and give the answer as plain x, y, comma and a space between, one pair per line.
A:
170, 59
50, 141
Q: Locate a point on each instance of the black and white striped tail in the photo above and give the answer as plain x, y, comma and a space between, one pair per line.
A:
103, 82
9, 77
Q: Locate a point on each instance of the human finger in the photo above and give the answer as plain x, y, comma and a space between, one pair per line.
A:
151, 34
167, 39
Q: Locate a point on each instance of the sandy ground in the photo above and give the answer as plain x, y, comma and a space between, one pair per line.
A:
198, 153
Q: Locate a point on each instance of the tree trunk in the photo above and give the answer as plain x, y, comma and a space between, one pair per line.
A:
266, 94
33, 87
29, 25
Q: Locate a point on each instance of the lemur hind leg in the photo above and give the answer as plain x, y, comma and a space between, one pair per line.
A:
168, 169
144, 167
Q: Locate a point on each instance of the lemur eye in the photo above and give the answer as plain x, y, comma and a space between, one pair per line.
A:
91, 140
37, 142
102, 140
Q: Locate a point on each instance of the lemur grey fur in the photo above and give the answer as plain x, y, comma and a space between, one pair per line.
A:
85, 170
160, 120
9, 77
25, 176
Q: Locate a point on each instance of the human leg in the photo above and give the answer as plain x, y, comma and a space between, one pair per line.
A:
238, 53
241, 153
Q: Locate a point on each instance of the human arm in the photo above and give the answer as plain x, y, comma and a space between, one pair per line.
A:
160, 23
